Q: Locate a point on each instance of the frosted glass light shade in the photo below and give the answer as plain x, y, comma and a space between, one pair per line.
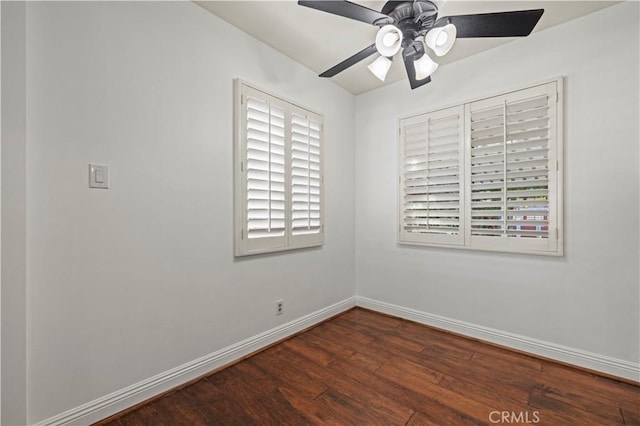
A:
425, 66
380, 67
388, 40
441, 39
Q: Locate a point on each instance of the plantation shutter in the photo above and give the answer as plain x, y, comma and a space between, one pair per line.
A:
512, 176
306, 177
486, 174
278, 174
431, 178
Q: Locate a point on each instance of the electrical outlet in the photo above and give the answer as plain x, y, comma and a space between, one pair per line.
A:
279, 307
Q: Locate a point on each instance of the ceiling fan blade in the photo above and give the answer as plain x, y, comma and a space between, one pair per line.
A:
363, 54
348, 10
411, 72
518, 23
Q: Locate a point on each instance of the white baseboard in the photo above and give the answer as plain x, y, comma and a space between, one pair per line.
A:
602, 363
122, 399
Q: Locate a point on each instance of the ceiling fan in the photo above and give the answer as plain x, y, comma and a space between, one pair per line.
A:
413, 25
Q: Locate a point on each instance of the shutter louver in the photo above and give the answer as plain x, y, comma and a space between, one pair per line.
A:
431, 177
265, 169
509, 176
305, 175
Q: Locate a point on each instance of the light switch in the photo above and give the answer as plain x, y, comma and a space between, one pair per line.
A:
98, 176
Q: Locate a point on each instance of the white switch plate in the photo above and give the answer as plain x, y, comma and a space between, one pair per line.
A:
98, 176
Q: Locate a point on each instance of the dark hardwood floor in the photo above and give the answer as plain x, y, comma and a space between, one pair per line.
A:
363, 368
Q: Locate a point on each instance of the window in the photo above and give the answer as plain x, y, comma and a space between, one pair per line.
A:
278, 174
485, 175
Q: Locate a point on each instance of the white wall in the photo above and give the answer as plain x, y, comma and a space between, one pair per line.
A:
587, 299
13, 201
132, 281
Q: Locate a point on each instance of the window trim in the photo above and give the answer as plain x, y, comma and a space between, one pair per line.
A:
288, 241
555, 192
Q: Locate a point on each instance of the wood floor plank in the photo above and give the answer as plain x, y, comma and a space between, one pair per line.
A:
316, 413
352, 383
215, 405
177, 410
366, 361
261, 401
354, 412
488, 397
337, 349
405, 370
630, 417
393, 387
437, 350
372, 361
511, 387
592, 386
145, 415
587, 388
481, 373
546, 403
310, 351
438, 394
576, 398
283, 376
402, 343
203, 393
243, 397
500, 362
351, 334
366, 368
515, 386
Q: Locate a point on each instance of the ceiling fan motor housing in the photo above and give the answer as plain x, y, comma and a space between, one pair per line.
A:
413, 18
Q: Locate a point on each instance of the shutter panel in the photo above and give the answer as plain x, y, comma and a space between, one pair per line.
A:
511, 151
306, 178
487, 171
265, 169
528, 167
305, 175
431, 161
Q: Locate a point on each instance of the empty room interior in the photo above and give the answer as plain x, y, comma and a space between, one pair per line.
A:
280, 212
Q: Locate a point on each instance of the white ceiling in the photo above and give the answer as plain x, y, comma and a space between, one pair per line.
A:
320, 40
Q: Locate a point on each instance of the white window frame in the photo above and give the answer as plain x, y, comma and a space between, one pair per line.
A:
290, 239
550, 246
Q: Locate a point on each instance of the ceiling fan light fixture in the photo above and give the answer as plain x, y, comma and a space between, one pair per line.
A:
417, 22
388, 40
380, 67
424, 66
441, 39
